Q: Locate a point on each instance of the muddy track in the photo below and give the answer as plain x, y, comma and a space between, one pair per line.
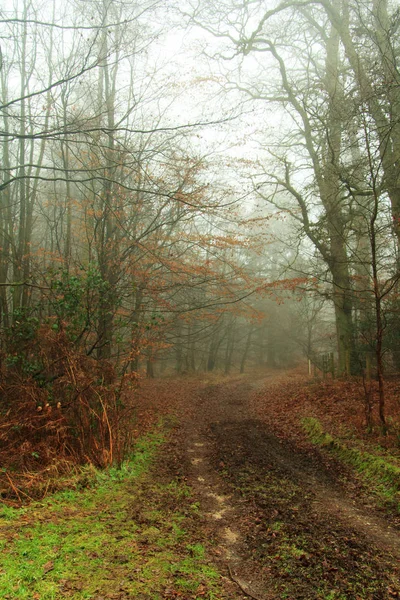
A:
282, 524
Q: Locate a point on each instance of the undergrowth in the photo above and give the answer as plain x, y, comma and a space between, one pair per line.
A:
381, 473
70, 412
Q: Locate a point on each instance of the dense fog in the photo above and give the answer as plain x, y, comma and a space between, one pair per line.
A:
200, 186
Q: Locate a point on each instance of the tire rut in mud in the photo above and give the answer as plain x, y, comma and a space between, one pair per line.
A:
278, 513
293, 545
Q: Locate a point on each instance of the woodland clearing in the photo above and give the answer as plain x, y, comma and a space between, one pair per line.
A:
248, 487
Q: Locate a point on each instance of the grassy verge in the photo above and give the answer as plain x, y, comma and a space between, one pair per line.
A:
381, 473
128, 535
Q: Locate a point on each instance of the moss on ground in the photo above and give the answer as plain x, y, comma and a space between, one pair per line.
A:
126, 536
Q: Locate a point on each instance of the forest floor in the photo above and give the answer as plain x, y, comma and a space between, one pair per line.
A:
229, 498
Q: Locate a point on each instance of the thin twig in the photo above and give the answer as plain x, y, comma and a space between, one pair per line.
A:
244, 590
16, 490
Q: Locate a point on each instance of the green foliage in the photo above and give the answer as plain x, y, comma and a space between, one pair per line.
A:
19, 338
76, 299
74, 304
24, 325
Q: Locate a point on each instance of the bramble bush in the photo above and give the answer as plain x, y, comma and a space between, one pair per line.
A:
60, 407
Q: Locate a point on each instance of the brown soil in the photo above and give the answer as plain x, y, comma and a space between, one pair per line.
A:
281, 521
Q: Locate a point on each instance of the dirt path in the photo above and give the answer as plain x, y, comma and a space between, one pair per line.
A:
283, 526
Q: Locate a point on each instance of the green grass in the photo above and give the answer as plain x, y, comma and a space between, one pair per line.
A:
127, 533
381, 473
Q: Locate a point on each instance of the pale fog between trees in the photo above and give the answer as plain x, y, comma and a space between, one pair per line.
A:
200, 185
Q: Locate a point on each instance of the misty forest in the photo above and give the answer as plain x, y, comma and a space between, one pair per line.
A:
199, 299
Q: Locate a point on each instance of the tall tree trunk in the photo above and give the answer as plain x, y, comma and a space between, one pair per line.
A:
387, 125
21, 249
108, 242
230, 344
6, 221
246, 349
